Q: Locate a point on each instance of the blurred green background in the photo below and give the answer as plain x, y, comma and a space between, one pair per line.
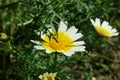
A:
20, 61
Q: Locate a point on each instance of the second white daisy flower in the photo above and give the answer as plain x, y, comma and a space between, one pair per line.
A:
104, 29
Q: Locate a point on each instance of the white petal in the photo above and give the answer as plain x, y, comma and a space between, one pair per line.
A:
79, 43
104, 24
76, 36
72, 51
97, 21
78, 48
46, 38
39, 47
69, 53
115, 34
113, 31
51, 29
108, 27
36, 42
62, 27
93, 23
72, 30
47, 51
37, 32
42, 36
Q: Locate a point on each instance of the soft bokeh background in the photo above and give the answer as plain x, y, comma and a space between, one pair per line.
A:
20, 61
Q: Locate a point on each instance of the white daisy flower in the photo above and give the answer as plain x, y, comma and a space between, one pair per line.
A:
104, 29
63, 40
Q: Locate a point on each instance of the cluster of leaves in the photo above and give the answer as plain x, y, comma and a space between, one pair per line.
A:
19, 19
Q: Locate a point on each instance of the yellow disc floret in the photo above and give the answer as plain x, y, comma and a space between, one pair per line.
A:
102, 31
58, 42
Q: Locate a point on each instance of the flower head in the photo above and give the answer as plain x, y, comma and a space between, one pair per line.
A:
63, 40
48, 76
3, 36
104, 29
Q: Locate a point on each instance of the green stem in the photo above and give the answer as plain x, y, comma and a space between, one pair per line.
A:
55, 58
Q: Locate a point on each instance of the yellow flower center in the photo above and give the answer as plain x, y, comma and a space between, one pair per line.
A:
49, 78
102, 31
59, 42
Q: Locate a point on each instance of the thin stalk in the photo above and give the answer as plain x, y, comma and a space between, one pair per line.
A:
55, 59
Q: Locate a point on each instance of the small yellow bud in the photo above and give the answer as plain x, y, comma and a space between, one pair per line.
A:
3, 36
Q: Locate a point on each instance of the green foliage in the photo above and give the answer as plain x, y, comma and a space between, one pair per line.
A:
20, 18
